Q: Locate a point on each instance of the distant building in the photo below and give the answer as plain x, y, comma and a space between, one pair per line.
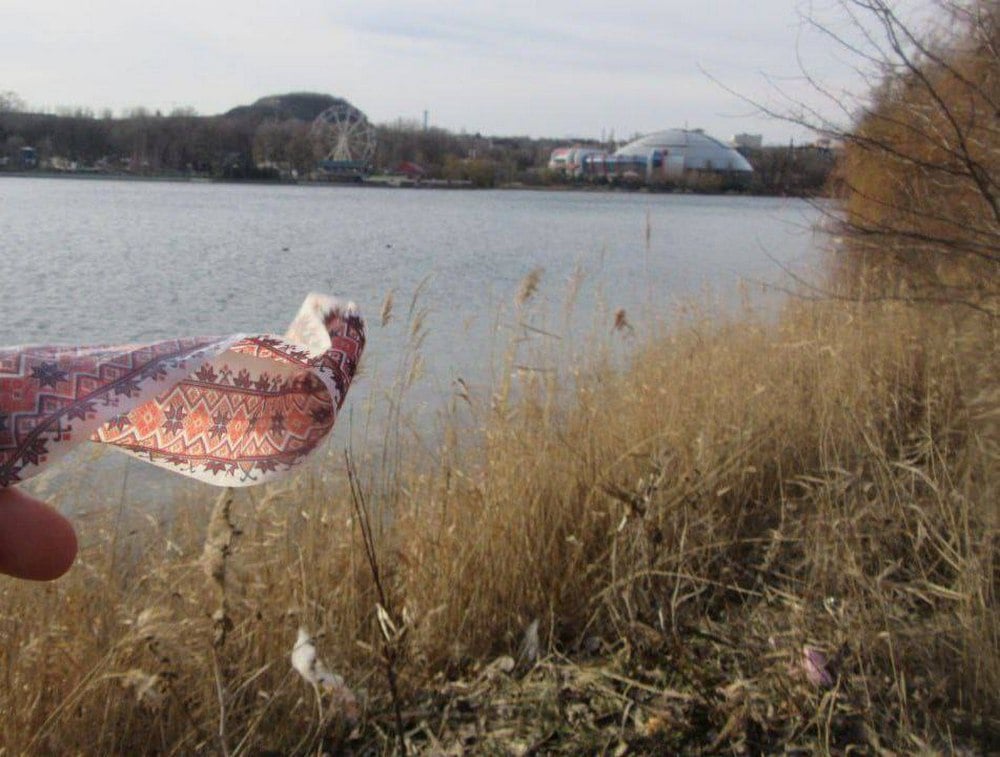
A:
410, 170
570, 159
748, 141
29, 157
662, 156
559, 158
697, 150
59, 163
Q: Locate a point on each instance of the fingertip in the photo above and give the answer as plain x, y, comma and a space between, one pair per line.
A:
36, 542
61, 550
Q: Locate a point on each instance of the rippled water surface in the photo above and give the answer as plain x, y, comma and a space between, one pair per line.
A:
120, 260
87, 261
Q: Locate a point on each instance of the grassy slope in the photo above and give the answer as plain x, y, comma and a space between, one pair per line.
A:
680, 528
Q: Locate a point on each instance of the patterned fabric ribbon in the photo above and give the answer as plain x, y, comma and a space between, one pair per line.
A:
231, 411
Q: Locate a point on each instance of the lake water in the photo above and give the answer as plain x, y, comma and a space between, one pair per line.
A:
123, 261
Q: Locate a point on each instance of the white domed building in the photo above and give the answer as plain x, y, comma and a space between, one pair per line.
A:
678, 151
664, 156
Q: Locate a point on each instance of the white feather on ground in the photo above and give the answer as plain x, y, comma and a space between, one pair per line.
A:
309, 666
313, 671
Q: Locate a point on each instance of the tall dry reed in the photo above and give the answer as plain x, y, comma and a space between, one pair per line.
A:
827, 480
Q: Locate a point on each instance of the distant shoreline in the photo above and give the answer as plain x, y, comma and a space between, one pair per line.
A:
431, 184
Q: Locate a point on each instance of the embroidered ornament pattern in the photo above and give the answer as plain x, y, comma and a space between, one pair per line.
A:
234, 411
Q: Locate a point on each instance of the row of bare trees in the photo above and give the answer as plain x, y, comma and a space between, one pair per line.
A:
147, 142
251, 144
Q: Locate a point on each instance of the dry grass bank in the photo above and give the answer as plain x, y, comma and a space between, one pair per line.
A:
681, 527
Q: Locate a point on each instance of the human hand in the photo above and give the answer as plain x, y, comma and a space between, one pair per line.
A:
36, 542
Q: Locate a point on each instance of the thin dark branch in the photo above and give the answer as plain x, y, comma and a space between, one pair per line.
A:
941, 62
876, 58
865, 226
390, 652
978, 173
821, 294
926, 215
838, 132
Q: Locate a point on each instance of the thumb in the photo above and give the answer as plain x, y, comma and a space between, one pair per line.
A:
36, 542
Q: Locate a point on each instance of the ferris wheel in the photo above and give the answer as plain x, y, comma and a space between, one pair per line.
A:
345, 138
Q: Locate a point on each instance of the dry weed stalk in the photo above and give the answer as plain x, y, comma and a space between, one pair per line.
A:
392, 630
528, 287
218, 547
387, 304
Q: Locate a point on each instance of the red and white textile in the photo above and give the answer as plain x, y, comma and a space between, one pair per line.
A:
232, 411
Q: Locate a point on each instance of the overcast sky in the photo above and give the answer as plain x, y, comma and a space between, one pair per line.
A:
555, 68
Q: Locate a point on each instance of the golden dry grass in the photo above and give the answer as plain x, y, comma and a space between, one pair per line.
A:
680, 526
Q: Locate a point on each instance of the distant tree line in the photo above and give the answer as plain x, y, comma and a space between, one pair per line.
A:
803, 170
141, 142
272, 139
